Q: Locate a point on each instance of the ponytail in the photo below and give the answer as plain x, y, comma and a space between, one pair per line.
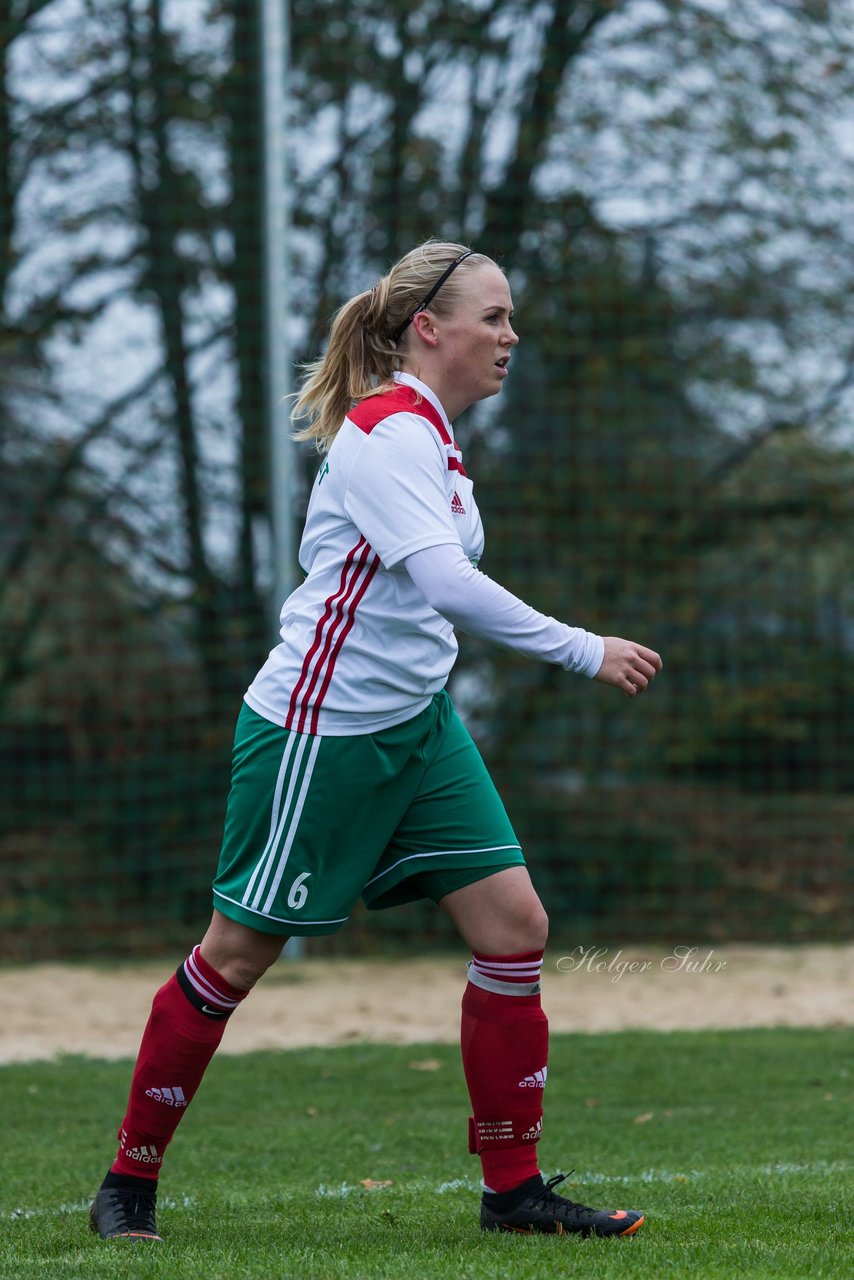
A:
359, 361
369, 336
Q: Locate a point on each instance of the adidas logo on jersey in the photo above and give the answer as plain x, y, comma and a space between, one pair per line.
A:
457, 505
173, 1097
536, 1081
534, 1133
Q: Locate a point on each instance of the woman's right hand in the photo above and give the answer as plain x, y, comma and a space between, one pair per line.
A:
628, 666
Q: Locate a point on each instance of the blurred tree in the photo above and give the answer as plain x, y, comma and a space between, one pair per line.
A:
78, 262
668, 183
517, 126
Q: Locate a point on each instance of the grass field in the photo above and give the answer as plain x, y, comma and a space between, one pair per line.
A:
737, 1145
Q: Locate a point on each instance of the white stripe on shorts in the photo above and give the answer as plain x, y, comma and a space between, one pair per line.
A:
270, 855
274, 816
280, 919
292, 829
440, 853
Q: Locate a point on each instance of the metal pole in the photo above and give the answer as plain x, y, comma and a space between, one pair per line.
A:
277, 381
273, 30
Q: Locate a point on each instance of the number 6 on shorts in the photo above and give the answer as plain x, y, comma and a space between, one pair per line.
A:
298, 892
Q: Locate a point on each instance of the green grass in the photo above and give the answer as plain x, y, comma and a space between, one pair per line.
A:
742, 1163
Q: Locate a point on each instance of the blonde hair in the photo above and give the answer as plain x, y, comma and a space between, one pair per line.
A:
368, 336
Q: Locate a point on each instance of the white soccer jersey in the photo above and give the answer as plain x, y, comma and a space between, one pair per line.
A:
361, 648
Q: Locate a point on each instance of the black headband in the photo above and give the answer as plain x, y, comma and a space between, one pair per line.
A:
396, 336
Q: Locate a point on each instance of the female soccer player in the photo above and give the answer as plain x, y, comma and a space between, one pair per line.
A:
352, 774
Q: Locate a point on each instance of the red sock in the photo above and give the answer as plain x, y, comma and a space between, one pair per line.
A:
187, 1021
505, 1040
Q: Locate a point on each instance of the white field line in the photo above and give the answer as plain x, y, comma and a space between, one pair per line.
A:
780, 1170
82, 1206
344, 1189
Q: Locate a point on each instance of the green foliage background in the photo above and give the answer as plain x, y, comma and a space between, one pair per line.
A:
670, 460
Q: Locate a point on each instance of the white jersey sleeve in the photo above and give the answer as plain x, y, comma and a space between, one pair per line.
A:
474, 603
396, 490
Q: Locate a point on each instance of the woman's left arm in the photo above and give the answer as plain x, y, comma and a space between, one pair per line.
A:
474, 603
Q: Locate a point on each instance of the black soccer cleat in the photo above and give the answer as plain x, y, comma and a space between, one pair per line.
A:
124, 1213
543, 1212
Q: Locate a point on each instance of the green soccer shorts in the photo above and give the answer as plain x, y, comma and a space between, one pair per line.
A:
313, 823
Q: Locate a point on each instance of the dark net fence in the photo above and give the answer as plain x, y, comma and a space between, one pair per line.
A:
671, 459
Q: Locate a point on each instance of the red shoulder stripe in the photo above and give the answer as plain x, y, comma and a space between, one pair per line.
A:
368, 413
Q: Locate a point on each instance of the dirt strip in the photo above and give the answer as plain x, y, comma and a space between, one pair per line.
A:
53, 1009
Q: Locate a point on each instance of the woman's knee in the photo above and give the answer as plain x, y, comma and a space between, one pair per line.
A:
538, 927
524, 927
499, 915
240, 954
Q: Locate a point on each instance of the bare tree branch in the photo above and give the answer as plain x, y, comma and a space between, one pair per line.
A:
45, 505
571, 25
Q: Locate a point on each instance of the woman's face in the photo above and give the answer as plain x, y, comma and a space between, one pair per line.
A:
475, 340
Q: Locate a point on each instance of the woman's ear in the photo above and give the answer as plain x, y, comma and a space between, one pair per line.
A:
424, 326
